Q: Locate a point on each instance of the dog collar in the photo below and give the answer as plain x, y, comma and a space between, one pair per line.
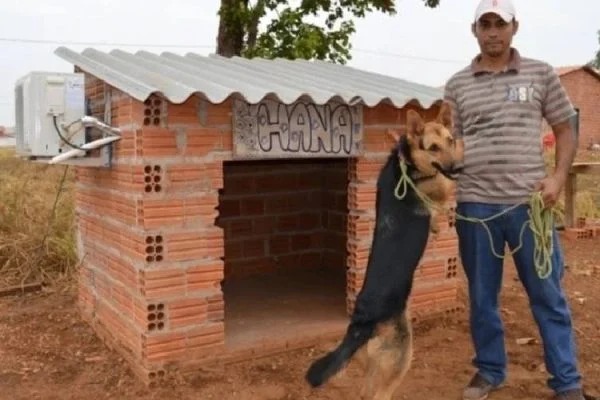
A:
404, 157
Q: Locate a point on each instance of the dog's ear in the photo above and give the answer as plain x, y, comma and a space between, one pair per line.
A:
414, 123
445, 116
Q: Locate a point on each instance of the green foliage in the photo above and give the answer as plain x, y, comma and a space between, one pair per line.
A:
596, 61
309, 29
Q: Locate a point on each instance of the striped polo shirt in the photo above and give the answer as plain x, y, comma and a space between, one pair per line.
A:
498, 115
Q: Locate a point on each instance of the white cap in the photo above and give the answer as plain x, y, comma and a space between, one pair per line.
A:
505, 9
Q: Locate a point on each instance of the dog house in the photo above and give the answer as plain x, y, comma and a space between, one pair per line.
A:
237, 211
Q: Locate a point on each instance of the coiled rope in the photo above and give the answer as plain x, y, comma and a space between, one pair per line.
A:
540, 221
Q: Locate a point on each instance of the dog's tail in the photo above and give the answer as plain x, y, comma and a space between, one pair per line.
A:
327, 366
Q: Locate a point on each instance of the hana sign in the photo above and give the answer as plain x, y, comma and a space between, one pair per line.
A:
271, 129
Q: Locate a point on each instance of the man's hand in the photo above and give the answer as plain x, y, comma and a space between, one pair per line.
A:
550, 187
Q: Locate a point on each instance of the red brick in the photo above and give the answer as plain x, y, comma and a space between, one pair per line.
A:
125, 147
434, 270
364, 169
122, 330
201, 141
122, 300
279, 245
583, 89
301, 242
178, 212
120, 177
229, 208
377, 140
287, 223
360, 225
205, 276
206, 337
185, 114
216, 307
383, 114
187, 312
156, 142
216, 114
107, 204
240, 228
194, 177
579, 233
310, 221
164, 346
254, 248
361, 196
189, 246
162, 283
107, 233
310, 260
252, 206
233, 249
263, 225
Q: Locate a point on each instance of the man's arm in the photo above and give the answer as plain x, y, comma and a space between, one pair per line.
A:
566, 148
558, 111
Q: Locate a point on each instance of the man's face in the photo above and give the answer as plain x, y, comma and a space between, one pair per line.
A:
494, 34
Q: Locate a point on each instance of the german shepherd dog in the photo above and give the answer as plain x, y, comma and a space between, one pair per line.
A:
402, 228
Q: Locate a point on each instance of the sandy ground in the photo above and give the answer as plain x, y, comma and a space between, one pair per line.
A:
47, 352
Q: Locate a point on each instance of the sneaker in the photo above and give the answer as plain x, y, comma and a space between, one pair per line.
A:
575, 394
478, 389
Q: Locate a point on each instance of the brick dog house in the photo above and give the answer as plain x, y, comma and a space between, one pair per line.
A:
237, 212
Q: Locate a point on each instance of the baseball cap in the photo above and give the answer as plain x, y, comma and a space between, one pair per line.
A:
505, 9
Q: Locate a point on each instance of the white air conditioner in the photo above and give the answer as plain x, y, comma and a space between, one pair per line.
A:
44, 103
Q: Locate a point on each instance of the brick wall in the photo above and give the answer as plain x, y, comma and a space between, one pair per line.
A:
173, 216
152, 256
583, 89
283, 214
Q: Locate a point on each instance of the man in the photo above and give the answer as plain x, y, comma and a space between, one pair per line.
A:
498, 104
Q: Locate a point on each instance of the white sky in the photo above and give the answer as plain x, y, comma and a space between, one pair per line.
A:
419, 44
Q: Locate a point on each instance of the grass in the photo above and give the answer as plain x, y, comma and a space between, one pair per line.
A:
37, 218
36, 221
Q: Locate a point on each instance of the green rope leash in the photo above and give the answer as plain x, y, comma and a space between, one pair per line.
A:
541, 221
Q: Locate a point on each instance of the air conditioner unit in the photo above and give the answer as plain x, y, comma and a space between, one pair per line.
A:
44, 103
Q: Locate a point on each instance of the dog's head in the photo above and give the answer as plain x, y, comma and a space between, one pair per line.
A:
431, 146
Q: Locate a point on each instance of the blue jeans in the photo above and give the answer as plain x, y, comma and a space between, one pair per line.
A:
546, 298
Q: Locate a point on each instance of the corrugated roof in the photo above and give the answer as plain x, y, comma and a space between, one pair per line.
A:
567, 69
561, 71
178, 77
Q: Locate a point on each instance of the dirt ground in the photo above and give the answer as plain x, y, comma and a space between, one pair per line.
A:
47, 352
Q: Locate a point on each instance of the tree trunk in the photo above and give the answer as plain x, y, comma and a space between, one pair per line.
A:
230, 39
255, 15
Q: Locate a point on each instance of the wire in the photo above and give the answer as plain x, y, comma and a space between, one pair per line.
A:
206, 46
63, 138
409, 57
53, 212
60, 42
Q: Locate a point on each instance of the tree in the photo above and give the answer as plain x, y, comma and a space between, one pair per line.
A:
596, 62
290, 34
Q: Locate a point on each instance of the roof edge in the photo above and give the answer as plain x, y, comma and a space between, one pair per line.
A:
140, 89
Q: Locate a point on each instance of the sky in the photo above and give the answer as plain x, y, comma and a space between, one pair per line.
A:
418, 44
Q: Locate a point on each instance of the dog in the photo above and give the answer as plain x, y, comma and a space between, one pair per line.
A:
380, 318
